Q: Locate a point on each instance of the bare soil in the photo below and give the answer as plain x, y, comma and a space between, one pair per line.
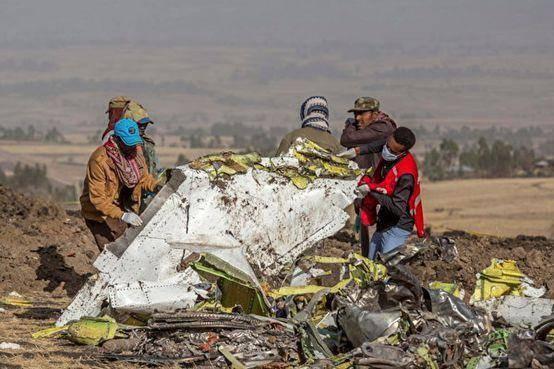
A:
46, 254
42, 247
534, 257
17, 324
487, 206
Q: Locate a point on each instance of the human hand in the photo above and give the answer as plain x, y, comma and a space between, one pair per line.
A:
348, 154
131, 219
362, 191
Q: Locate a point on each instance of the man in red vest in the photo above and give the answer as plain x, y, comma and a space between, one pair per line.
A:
395, 187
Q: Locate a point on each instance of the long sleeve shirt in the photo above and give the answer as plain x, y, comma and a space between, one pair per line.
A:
373, 148
377, 131
394, 210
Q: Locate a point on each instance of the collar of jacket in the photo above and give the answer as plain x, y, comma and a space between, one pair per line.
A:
111, 164
148, 139
387, 165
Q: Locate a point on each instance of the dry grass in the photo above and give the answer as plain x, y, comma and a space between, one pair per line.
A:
504, 207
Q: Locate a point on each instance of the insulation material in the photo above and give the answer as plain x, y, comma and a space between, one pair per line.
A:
518, 310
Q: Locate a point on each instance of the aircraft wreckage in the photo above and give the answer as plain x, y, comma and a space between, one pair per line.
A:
215, 277
247, 216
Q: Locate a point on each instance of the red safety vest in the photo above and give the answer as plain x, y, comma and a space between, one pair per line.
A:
406, 165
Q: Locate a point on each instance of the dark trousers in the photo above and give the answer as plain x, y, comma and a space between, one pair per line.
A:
365, 240
106, 232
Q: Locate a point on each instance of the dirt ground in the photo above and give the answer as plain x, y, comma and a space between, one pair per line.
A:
42, 248
46, 254
17, 325
534, 257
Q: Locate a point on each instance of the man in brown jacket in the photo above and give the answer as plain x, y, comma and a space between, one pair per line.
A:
116, 175
314, 117
369, 128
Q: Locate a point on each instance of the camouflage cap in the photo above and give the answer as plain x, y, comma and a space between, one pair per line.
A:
136, 112
365, 104
118, 102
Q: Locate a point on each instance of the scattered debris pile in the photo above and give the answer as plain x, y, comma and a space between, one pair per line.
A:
201, 338
305, 163
41, 246
240, 209
223, 273
533, 255
341, 312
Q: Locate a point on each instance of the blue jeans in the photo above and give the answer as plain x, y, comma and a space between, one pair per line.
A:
387, 241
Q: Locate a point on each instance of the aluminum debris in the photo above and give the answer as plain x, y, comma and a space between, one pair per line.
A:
223, 275
253, 218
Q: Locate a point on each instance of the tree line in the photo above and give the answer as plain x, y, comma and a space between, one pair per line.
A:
53, 135
34, 179
482, 159
261, 139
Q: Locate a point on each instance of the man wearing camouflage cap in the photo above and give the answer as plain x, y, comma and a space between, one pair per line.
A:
121, 107
366, 133
135, 111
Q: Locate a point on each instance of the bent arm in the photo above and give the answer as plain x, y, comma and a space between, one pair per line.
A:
284, 146
96, 177
352, 137
397, 204
373, 147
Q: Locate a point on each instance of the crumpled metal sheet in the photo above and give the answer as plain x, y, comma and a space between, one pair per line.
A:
380, 356
452, 311
148, 297
365, 326
544, 328
503, 278
402, 287
257, 221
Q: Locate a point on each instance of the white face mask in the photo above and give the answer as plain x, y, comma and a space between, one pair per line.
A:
387, 155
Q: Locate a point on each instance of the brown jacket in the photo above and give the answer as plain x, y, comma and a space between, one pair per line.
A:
381, 129
102, 189
322, 138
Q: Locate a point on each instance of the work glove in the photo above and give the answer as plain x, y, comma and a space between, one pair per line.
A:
362, 191
348, 154
132, 219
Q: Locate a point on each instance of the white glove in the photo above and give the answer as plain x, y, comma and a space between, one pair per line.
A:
132, 219
348, 154
362, 191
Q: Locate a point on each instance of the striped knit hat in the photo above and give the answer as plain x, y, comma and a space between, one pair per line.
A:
315, 113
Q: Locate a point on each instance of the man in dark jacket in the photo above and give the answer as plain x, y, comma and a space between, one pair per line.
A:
369, 128
397, 191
